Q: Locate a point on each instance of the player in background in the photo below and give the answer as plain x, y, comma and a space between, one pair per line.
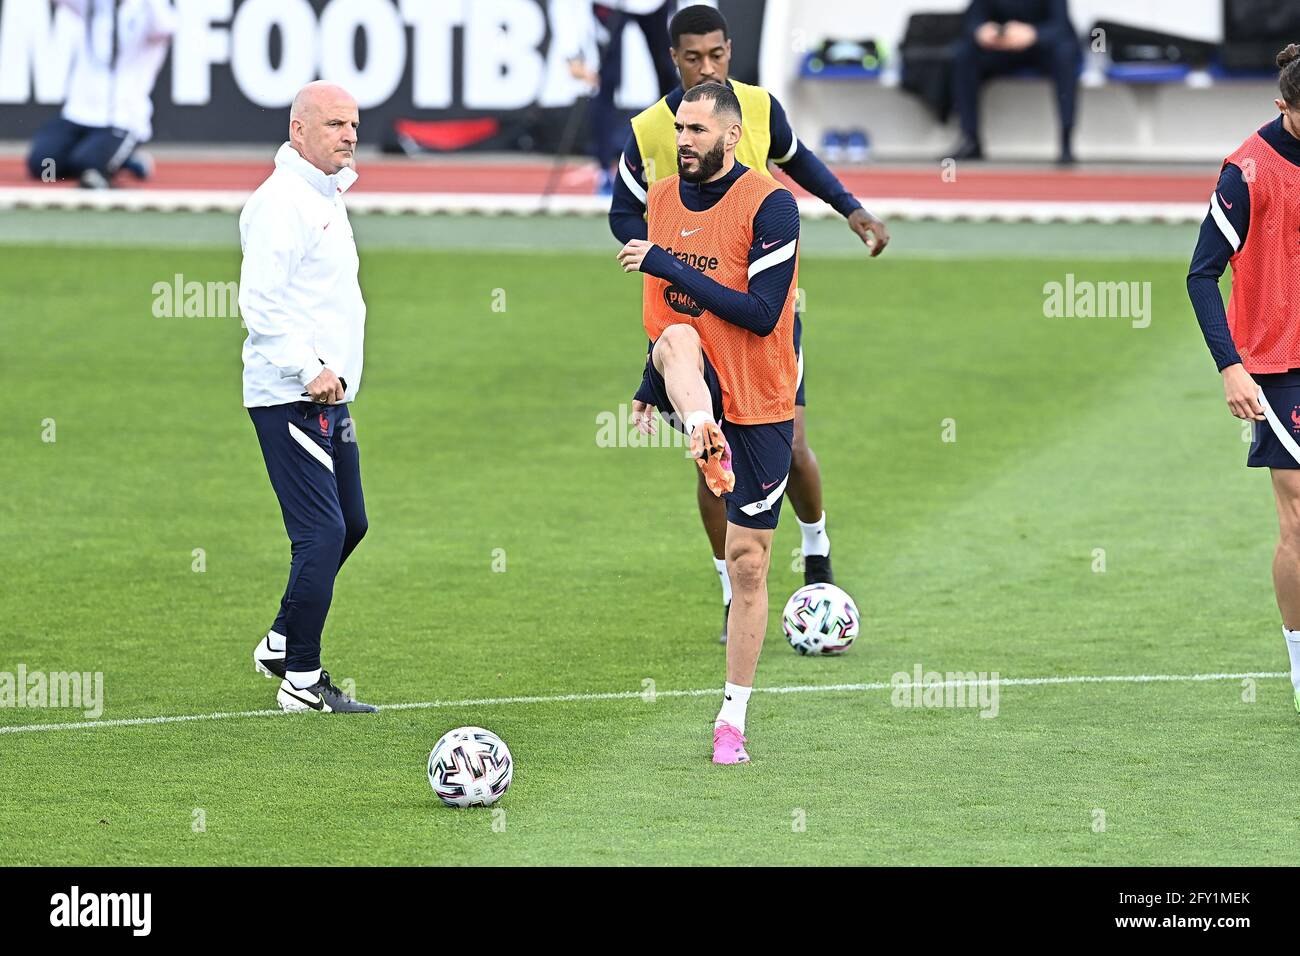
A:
109, 110
1252, 224
701, 50
721, 265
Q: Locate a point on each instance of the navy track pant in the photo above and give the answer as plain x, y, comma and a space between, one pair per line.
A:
72, 149
312, 458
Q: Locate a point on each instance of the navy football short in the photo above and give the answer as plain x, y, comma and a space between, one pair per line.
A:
1282, 393
760, 454
798, 350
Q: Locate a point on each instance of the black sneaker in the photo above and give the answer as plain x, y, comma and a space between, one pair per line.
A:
817, 569
94, 179
726, 613
268, 662
322, 696
140, 165
966, 149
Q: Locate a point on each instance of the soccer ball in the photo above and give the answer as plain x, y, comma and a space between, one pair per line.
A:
470, 767
820, 619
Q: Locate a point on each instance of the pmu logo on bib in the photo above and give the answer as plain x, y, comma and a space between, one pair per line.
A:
679, 301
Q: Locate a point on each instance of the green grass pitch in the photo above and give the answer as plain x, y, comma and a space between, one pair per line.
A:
478, 431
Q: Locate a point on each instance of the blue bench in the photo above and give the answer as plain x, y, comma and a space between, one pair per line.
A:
808, 70
1148, 72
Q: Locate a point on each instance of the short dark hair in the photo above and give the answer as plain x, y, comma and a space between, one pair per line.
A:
724, 100
1288, 77
699, 18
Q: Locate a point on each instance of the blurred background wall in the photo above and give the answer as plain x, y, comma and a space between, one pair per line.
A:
494, 75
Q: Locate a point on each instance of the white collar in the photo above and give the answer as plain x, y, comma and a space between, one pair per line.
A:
289, 158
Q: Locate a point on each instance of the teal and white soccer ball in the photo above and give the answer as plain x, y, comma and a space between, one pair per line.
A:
820, 619
470, 767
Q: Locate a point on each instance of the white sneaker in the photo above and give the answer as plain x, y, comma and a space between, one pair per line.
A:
268, 662
321, 696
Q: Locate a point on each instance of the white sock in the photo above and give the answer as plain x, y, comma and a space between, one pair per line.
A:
735, 699
815, 540
697, 418
301, 680
1293, 649
275, 641
721, 565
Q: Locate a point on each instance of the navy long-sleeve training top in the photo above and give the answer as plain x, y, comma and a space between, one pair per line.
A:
1222, 233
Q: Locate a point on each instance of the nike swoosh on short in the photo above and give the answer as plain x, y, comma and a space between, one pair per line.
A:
691, 232
768, 485
769, 245
1226, 204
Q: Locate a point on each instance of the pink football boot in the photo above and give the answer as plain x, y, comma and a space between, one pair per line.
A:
728, 744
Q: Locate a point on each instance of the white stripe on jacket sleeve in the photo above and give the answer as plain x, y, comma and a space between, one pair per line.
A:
773, 258
629, 180
1221, 220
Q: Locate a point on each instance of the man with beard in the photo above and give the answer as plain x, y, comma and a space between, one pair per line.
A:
721, 266
701, 50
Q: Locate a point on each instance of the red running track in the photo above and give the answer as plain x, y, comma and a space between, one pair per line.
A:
884, 182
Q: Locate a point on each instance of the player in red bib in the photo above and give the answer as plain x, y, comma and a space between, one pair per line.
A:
721, 266
1254, 224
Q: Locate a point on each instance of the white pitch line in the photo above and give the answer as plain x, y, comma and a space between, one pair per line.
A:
527, 204
699, 692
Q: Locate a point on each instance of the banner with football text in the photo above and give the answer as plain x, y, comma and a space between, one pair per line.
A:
476, 74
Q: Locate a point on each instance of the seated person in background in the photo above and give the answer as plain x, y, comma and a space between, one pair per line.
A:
1005, 36
108, 109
